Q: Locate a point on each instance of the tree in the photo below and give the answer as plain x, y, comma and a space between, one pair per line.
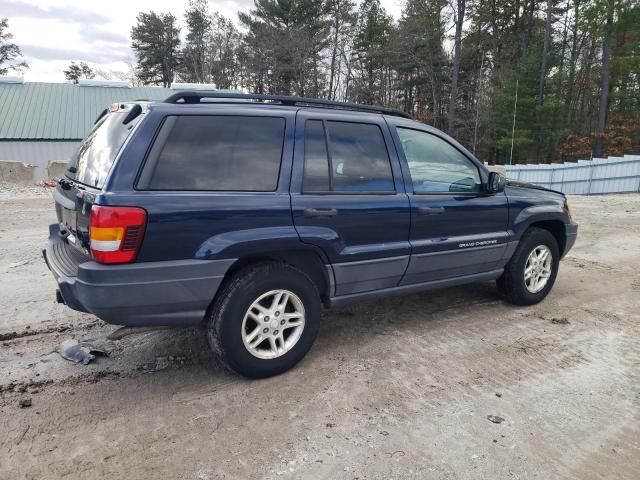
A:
9, 51
155, 40
607, 39
342, 17
545, 53
195, 53
225, 46
459, 21
76, 71
420, 60
284, 43
576, 64
372, 38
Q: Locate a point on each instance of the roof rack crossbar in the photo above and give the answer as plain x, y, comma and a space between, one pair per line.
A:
196, 96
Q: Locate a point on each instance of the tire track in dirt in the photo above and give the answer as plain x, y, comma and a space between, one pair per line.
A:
399, 388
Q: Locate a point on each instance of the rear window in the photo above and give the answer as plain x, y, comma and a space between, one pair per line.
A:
216, 153
96, 154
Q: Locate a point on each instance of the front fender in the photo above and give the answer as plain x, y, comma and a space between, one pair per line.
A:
537, 213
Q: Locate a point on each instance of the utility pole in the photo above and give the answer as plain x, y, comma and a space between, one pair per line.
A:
513, 127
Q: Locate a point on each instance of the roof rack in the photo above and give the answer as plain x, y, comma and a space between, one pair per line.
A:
196, 96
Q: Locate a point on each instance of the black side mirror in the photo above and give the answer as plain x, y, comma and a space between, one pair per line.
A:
496, 183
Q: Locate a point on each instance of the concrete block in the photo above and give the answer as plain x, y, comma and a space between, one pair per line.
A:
56, 169
17, 172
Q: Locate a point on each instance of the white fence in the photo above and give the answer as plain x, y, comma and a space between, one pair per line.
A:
584, 177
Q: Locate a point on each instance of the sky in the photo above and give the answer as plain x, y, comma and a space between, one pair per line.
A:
52, 33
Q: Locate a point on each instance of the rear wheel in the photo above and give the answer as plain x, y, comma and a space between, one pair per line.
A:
531, 272
264, 320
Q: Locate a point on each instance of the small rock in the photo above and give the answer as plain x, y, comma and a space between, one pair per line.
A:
560, 321
495, 419
498, 394
24, 403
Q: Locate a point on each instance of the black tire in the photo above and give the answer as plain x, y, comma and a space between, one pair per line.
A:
511, 284
224, 322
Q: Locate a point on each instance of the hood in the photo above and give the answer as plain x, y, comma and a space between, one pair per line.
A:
533, 186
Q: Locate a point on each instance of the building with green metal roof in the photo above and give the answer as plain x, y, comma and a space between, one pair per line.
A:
41, 124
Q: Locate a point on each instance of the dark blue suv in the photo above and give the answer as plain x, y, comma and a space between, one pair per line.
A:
247, 213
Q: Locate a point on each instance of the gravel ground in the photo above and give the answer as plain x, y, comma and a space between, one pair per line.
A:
399, 388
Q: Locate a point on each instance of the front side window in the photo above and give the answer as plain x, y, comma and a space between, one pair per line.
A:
436, 166
356, 159
216, 153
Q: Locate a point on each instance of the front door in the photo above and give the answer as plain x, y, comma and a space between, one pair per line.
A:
457, 229
348, 199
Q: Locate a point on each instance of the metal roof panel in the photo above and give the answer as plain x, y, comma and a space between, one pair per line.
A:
60, 111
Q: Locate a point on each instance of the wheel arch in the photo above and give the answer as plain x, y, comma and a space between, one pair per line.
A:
307, 261
556, 228
547, 217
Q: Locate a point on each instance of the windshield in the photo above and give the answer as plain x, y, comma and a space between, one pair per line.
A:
94, 158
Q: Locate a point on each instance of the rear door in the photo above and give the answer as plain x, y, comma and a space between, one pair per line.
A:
89, 168
456, 228
348, 198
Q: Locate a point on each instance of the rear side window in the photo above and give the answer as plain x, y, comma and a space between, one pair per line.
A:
316, 162
216, 153
98, 151
356, 159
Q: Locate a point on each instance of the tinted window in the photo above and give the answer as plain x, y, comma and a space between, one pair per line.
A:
436, 166
217, 153
316, 162
98, 151
359, 158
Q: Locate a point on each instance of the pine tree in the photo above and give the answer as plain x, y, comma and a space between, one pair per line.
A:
285, 40
77, 71
196, 53
155, 40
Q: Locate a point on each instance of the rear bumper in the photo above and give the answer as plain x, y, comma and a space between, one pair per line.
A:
571, 230
172, 293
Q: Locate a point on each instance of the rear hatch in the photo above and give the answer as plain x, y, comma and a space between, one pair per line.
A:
89, 168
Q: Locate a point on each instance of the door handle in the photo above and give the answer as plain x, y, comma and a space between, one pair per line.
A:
320, 212
430, 210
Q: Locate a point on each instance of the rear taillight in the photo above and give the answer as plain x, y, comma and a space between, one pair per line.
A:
115, 233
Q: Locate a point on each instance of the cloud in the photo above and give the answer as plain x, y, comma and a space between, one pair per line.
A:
91, 35
62, 13
68, 54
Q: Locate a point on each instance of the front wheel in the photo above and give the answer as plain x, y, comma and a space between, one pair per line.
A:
264, 320
531, 272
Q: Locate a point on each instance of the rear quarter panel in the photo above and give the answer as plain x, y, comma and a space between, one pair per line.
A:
204, 224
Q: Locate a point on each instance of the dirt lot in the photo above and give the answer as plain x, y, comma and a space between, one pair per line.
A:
399, 388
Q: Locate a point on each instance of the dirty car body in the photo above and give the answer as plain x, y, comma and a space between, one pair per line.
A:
167, 204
